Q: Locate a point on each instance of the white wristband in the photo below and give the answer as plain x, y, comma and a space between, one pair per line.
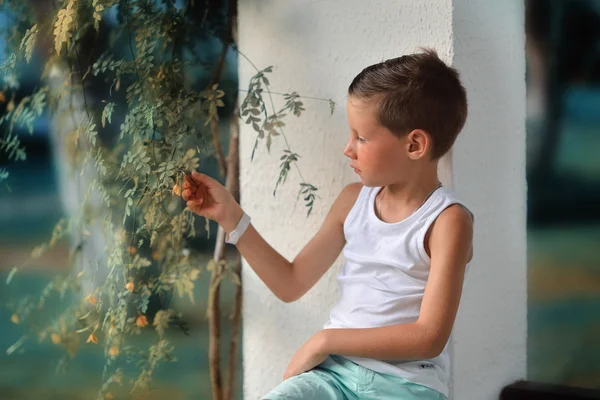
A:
239, 230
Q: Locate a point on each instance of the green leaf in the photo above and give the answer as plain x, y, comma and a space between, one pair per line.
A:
9, 63
91, 133
11, 275
28, 42
16, 346
107, 114
12, 146
65, 21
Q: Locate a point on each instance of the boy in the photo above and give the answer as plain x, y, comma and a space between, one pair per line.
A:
406, 239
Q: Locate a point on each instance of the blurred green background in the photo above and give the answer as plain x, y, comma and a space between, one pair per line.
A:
563, 175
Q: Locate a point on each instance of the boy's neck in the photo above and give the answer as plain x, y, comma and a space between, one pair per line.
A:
413, 191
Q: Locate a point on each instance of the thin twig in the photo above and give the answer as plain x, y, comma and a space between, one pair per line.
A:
287, 144
214, 125
233, 178
286, 94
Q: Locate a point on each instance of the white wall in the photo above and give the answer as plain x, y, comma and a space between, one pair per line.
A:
489, 341
316, 48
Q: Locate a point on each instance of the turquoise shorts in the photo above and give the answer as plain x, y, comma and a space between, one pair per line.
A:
340, 379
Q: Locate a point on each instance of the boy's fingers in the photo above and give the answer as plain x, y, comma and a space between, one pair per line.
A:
191, 193
194, 203
205, 179
189, 183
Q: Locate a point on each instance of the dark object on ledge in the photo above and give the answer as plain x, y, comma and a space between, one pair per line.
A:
524, 390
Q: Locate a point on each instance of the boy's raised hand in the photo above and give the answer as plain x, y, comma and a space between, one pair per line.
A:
208, 198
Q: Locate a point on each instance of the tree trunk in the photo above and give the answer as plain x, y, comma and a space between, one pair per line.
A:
214, 327
218, 273
231, 169
233, 175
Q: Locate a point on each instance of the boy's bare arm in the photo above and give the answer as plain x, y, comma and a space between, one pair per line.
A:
451, 249
291, 280
287, 280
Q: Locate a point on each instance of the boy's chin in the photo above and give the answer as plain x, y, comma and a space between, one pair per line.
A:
367, 182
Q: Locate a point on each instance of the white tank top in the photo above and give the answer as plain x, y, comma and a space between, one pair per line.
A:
383, 280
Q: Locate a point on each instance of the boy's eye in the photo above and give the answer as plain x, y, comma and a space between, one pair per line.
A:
360, 140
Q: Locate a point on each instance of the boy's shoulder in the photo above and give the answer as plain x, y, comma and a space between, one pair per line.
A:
352, 190
456, 214
346, 199
454, 226
350, 193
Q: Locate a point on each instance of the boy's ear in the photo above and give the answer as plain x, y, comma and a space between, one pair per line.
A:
419, 143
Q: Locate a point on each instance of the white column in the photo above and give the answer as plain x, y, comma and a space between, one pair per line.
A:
316, 48
489, 341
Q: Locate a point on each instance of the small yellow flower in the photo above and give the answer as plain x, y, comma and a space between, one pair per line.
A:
130, 286
112, 330
132, 250
176, 190
141, 321
92, 338
55, 338
15, 319
92, 300
155, 255
113, 351
109, 396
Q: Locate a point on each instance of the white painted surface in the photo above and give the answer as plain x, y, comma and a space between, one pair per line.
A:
489, 341
316, 48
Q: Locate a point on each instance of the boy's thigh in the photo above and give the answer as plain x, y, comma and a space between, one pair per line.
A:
378, 386
311, 385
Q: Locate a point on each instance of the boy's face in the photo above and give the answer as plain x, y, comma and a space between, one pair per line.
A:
377, 155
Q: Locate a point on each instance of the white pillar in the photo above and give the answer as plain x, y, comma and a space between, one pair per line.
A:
316, 48
489, 341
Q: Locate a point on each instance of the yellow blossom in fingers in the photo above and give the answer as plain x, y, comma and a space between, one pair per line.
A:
176, 190
130, 286
15, 319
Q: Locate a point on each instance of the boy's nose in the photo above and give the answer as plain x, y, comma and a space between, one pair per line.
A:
349, 151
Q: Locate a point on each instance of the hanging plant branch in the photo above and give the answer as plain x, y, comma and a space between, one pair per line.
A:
131, 183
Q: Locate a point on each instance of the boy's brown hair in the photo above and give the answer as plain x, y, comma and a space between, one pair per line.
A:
416, 91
